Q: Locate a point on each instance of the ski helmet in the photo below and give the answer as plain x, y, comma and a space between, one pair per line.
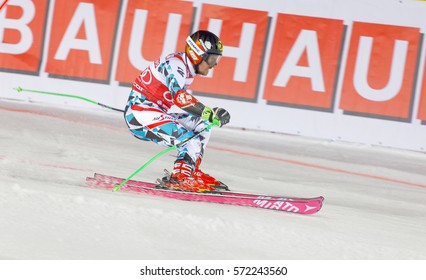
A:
203, 45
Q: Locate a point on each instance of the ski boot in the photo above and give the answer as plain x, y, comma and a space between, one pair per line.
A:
182, 180
207, 179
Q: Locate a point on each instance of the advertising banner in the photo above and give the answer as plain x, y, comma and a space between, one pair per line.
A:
335, 70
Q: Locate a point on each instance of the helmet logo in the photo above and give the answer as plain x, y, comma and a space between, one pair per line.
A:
220, 46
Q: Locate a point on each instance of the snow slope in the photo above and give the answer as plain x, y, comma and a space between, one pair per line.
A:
374, 208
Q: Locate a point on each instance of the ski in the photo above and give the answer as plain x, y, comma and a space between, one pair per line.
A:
117, 180
278, 203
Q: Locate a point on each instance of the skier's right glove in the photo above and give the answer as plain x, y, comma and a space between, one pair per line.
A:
219, 115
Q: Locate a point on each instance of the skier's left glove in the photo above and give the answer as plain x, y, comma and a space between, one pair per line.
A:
219, 115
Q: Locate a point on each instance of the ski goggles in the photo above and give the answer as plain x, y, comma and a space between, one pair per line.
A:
212, 59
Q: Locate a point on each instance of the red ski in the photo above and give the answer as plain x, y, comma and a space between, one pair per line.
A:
278, 203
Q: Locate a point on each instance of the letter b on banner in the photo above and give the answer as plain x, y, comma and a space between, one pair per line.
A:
21, 35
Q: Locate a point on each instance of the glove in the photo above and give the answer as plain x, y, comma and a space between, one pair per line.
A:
219, 115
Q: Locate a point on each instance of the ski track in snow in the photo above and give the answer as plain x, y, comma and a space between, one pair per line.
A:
374, 197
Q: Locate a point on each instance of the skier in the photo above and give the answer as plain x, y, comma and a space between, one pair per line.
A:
161, 110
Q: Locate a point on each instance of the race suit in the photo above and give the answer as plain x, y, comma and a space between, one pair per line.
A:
151, 115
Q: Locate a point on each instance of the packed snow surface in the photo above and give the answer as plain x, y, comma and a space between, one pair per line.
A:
374, 196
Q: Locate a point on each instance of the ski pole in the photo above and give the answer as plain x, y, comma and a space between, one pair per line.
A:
19, 89
117, 187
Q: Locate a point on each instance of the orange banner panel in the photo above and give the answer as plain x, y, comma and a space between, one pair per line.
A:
82, 39
243, 34
23, 33
379, 76
422, 104
151, 29
303, 62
